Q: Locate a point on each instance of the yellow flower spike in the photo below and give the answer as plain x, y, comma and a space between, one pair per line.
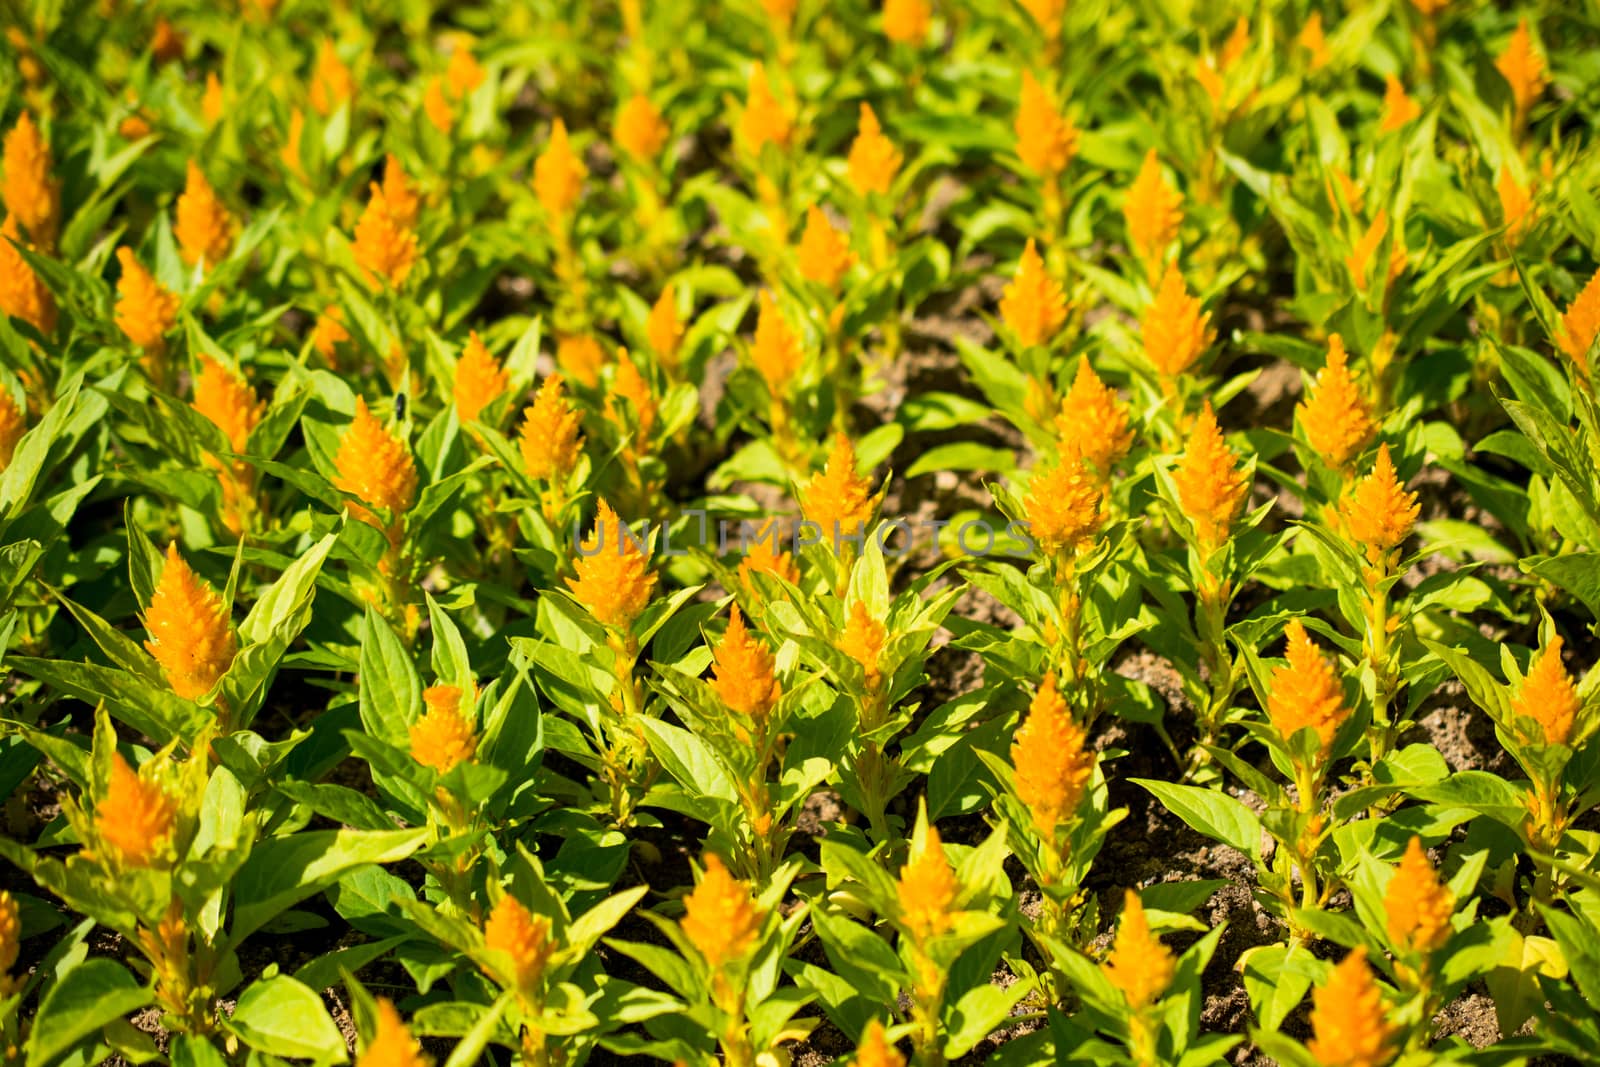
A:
226, 399
907, 21
763, 556
1047, 15
1417, 904
764, 120
1345, 193
839, 500
1430, 8
664, 329
1335, 415
1053, 761
399, 195
628, 385
212, 102
1092, 422
1211, 488
1548, 697
873, 161
1314, 41
1523, 69
376, 468
1234, 48
1139, 964
1153, 211
392, 1044
824, 252
191, 636
23, 294
581, 358
1516, 205
558, 175
862, 640
463, 74
1399, 110
444, 737
145, 309
927, 891
776, 353
436, 105
1366, 247
10, 940
135, 127
550, 442
780, 13
742, 670
1580, 324
204, 228
135, 819
1378, 513
29, 193
524, 937
329, 333
1062, 506
721, 919
1033, 305
332, 84
385, 247
479, 380
1175, 332
875, 1049
1307, 691
1349, 1023
614, 580
1047, 140
13, 424
640, 131
289, 152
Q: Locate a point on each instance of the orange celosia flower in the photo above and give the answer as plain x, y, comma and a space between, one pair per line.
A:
776, 353
1580, 324
289, 153
613, 580
190, 634
862, 639
437, 106
1366, 247
1033, 304
873, 161
444, 737
640, 131
1345, 193
1093, 423
637, 400
550, 441
664, 329
385, 246
331, 81
1153, 211
1516, 205
1047, 140
212, 102
10, 939
721, 919
145, 310
927, 891
1139, 964
376, 468
825, 253
1430, 8
1417, 904
1062, 506
763, 556
780, 13
522, 936
1378, 514
13, 424
135, 818
463, 74
479, 379
742, 670
329, 333
1314, 41
1335, 415
1047, 15
764, 119
1348, 1020
1211, 488
1523, 69
581, 358
134, 127
399, 195
29, 193
204, 228
907, 21
558, 175
1175, 331
23, 294
1307, 691
1052, 760
838, 499
1548, 697
392, 1045
1398, 108
875, 1049
228, 401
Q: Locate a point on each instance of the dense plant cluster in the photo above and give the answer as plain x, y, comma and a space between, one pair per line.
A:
774, 531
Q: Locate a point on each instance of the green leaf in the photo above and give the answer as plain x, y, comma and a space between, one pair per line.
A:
1274, 985
281, 1017
283, 871
1214, 814
978, 1013
390, 690
91, 995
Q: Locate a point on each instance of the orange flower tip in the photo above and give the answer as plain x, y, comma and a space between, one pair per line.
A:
29, 191
743, 670
23, 294
1580, 325
204, 228
375, 466
1033, 304
721, 918
1139, 965
640, 131
873, 161
392, 1044
1047, 140
191, 636
1153, 211
876, 1050
550, 442
1093, 422
613, 580
332, 83
1175, 331
1335, 416
776, 353
145, 310
838, 500
1211, 487
1548, 698
1378, 513
863, 639
479, 380
762, 555
824, 253
13, 424
1523, 69
663, 329
907, 21
10, 934
1306, 692
1053, 762
764, 119
1349, 1023
558, 175
927, 891
524, 937
135, 819
443, 737
1416, 904
1399, 110
1062, 506
385, 245
228, 401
